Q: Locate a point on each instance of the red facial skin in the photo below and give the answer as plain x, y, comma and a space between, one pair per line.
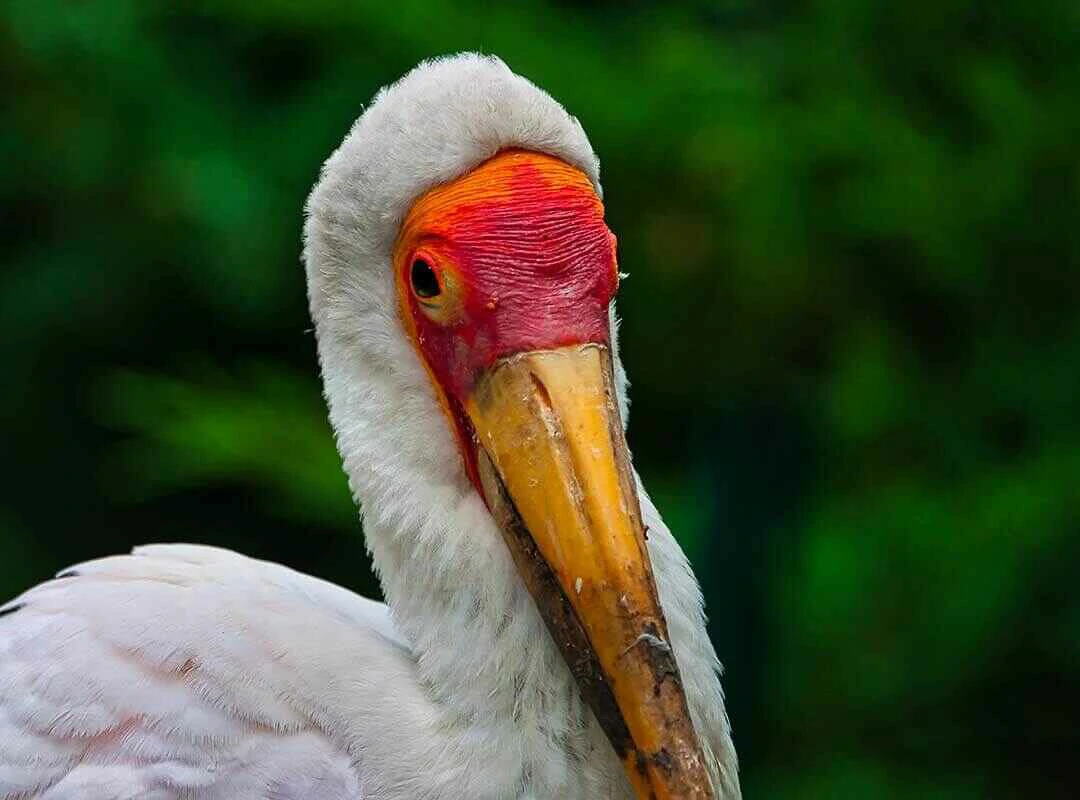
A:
524, 262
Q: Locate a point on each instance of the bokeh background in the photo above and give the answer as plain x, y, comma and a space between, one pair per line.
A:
852, 323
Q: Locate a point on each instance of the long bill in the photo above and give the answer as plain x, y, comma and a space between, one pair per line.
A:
556, 474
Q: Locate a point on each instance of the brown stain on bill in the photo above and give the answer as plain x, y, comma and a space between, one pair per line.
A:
557, 613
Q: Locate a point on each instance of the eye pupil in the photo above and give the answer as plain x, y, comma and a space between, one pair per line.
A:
424, 280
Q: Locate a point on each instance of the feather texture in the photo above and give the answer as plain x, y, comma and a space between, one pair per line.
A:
183, 671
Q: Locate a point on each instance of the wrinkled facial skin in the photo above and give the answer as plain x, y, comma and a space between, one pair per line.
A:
523, 262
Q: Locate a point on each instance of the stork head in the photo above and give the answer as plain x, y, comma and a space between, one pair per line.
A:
460, 270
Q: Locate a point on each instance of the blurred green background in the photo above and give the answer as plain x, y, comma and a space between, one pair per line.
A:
852, 323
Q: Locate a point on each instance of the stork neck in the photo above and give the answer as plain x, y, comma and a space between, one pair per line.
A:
484, 656
482, 648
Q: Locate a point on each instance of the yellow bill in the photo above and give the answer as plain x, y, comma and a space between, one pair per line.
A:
556, 473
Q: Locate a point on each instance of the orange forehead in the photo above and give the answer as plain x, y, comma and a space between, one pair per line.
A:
440, 210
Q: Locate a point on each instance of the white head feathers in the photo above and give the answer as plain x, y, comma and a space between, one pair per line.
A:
436, 123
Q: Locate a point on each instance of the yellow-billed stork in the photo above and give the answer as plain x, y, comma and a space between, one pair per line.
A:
543, 635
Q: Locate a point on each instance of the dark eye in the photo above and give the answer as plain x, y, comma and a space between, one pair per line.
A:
424, 281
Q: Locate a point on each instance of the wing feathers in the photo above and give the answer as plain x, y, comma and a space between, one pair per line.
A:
175, 672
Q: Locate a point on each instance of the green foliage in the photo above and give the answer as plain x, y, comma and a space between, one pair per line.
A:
268, 428
852, 325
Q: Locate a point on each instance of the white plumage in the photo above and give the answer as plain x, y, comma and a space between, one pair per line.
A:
191, 672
